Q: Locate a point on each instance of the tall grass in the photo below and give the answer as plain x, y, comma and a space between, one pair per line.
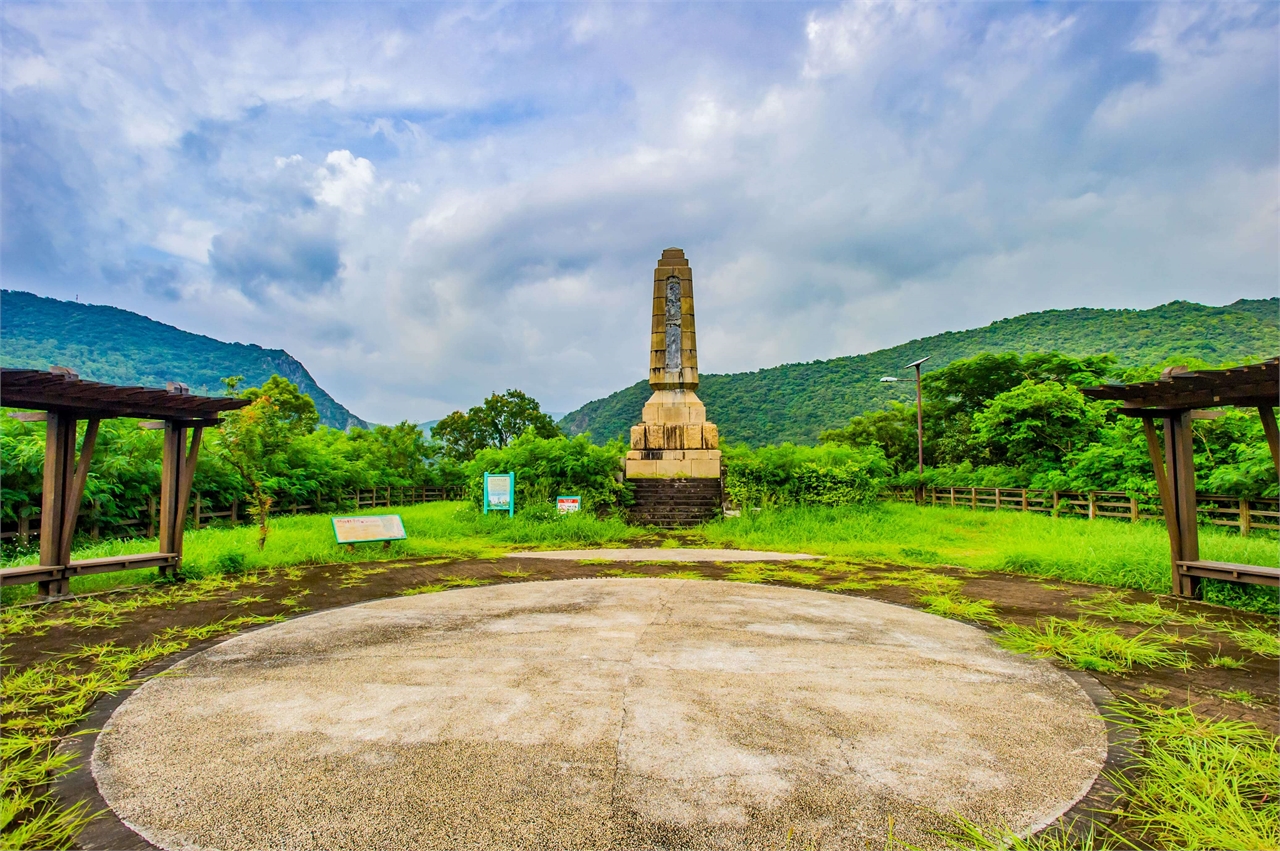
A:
1202, 783
1102, 552
434, 529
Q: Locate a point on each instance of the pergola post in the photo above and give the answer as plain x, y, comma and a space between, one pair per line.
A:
1167, 504
64, 481
59, 464
1180, 463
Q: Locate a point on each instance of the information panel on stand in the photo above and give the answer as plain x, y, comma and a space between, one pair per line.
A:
362, 530
499, 492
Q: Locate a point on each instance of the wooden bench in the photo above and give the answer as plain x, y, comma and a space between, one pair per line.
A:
1249, 573
59, 573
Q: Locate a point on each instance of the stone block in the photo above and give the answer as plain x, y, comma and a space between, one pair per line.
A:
670, 468
678, 414
673, 436
637, 437
641, 469
653, 437
704, 469
710, 436
635, 455
693, 436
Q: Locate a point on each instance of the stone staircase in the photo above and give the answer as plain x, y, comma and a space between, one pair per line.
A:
673, 503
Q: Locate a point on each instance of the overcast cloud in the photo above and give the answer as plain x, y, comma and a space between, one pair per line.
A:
426, 203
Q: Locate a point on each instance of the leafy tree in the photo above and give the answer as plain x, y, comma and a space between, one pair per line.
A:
1037, 424
893, 431
492, 425
256, 441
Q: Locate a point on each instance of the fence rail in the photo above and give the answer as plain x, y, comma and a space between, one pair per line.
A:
205, 512
1244, 514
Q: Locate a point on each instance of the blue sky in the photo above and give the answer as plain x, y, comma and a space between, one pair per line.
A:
425, 203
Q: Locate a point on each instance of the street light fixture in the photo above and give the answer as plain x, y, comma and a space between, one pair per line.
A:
919, 409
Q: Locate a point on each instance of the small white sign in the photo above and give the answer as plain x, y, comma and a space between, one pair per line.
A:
568, 504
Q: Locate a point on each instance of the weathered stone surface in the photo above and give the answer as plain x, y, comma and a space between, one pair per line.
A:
605, 713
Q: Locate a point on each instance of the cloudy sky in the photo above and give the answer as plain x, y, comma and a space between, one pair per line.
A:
429, 202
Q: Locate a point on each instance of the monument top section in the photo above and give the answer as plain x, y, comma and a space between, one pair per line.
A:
673, 352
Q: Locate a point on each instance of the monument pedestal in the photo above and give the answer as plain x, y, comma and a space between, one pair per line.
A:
674, 439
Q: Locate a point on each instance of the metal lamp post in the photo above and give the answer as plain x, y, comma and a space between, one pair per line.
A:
919, 416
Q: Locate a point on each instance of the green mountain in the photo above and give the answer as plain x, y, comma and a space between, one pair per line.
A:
797, 401
119, 347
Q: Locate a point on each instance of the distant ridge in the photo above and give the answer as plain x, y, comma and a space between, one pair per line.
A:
795, 402
121, 347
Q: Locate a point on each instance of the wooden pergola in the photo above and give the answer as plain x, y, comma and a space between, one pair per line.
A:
1175, 398
62, 399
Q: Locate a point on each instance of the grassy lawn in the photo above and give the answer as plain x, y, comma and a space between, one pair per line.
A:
1100, 552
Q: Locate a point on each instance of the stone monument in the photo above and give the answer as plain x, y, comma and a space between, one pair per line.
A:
674, 439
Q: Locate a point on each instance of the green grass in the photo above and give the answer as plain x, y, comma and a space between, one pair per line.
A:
1241, 696
620, 573
1263, 642
1202, 783
682, 574
43, 702
1085, 646
1100, 552
960, 608
439, 529
1114, 605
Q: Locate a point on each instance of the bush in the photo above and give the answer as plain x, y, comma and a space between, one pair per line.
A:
549, 467
803, 475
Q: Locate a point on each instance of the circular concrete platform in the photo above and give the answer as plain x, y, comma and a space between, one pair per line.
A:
599, 713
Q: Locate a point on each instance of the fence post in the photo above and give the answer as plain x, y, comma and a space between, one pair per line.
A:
1245, 521
973, 498
997, 499
1024, 499
1055, 504
235, 511
1133, 508
1093, 504
953, 497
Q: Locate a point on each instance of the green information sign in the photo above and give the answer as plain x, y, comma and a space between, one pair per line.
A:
500, 492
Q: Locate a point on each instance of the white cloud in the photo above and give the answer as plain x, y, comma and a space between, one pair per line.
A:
345, 181
430, 204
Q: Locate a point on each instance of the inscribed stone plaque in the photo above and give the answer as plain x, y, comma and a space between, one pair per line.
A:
673, 324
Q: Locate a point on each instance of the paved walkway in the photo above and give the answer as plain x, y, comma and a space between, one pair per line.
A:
669, 554
598, 713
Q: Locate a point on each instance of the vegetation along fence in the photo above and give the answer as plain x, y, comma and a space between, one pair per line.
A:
1245, 514
140, 518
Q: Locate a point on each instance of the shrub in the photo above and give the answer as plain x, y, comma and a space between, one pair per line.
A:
803, 475
549, 467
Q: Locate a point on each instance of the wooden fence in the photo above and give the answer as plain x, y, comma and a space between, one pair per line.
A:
205, 512
1245, 514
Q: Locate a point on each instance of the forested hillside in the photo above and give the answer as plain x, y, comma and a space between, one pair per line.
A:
119, 347
795, 402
